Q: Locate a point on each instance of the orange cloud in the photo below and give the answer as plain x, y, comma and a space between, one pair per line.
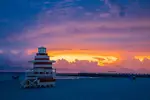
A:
92, 61
141, 58
90, 58
72, 55
106, 58
133, 66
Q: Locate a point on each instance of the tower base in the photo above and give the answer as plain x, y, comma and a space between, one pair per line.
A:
35, 84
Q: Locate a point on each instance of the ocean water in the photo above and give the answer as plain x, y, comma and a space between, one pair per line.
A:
73, 88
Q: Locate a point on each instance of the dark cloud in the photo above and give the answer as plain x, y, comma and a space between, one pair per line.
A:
14, 60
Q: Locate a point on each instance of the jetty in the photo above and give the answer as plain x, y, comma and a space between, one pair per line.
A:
119, 75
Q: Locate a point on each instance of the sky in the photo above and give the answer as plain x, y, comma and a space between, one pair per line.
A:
81, 35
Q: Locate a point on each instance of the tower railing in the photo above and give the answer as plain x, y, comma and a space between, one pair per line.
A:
31, 72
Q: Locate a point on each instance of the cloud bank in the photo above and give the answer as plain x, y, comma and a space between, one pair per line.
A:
117, 28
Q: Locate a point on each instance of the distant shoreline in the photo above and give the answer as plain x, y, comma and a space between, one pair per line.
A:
105, 75
96, 74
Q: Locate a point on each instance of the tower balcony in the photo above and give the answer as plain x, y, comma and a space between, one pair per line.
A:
42, 61
41, 54
32, 73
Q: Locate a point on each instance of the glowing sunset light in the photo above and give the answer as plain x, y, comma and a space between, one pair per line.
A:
31, 51
73, 55
101, 60
141, 58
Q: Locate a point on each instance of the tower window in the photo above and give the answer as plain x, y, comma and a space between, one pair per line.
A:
41, 50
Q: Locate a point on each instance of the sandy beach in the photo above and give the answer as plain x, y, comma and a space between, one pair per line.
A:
80, 89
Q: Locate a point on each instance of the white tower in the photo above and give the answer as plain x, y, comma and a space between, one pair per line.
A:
42, 74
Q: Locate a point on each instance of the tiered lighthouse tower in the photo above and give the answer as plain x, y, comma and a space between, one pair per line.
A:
42, 60
42, 74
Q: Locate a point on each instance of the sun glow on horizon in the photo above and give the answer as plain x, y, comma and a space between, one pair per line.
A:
101, 60
141, 58
92, 56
